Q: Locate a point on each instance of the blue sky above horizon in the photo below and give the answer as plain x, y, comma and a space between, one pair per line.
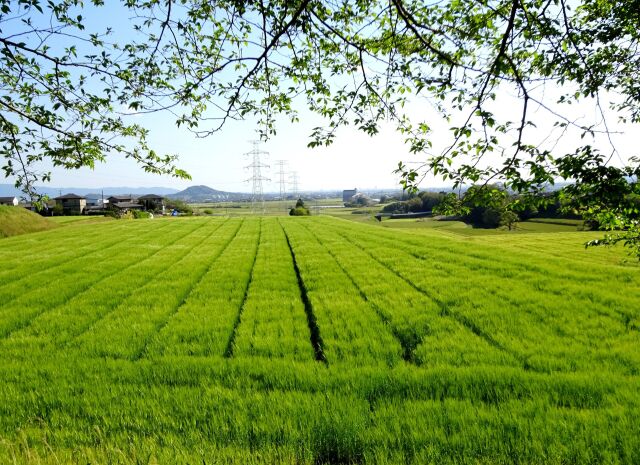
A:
354, 160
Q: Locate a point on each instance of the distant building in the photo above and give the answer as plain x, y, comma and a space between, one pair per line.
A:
94, 199
123, 203
12, 201
94, 210
44, 208
120, 198
124, 207
152, 202
348, 193
72, 204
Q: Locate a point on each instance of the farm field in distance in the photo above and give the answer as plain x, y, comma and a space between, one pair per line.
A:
316, 340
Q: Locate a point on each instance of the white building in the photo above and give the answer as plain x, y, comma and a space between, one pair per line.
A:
12, 201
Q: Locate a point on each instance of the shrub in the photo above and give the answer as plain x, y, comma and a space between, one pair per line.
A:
395, 207
299, 209
138, 214
180, 205
57, 210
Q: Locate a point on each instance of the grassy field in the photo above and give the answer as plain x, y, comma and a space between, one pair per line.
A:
271, 207
17, 220
315, 340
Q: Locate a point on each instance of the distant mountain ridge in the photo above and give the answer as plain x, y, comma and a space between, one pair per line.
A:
7, 190
207, 194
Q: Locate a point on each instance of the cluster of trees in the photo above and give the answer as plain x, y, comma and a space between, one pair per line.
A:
420, 202
70, 88
300, 209
487, 207
492, 206
177, 204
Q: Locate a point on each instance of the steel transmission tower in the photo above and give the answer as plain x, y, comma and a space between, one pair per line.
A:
256, 165
281, 175
294, 184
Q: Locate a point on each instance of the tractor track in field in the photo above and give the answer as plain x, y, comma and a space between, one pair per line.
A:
408, 349
228, 351
312, 322
447, 312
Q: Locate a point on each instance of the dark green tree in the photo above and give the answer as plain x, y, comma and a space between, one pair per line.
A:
300, 209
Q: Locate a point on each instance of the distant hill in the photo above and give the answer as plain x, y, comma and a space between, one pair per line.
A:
7, 190
207, 194
18, 220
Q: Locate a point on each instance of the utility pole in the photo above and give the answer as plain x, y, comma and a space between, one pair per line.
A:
281, 176
256, 165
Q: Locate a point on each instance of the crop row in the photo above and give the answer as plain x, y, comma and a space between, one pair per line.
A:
57, 324
273, 321
31, 272
349, 327
206, 319
546, 330
427, 336
82, 278
127, 329
48, 252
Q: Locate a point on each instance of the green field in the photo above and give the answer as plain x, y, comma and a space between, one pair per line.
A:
16, 220
271, 207
315, 340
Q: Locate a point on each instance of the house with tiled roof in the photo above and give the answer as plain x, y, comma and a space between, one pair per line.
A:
72, 204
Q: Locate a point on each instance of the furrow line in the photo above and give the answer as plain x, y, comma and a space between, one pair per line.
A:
314, 329
145, 347
407, 349
447, 312
533, 310
86, 288
228, 351
104, 315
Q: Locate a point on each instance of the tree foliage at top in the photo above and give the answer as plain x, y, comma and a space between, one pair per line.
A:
67, 91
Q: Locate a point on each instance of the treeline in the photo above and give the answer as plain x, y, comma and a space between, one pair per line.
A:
421, 202
489, 206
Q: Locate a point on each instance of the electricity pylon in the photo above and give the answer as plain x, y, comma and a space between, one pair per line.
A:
256, 165
294, 184
282, 178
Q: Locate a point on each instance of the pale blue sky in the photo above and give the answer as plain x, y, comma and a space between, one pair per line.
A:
354, 160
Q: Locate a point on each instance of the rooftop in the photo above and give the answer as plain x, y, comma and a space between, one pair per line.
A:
69, 197
126, 205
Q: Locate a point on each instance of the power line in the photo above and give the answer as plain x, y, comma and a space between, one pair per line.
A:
256, 165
